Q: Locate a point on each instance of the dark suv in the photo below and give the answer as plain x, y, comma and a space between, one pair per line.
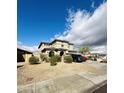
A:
77, 57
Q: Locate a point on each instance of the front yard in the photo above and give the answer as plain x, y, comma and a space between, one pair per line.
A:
39, 72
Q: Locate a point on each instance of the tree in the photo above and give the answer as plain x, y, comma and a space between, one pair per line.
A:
85, 49
51, 53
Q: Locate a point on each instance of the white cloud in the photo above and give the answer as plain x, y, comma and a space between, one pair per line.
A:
99, 49
28, 48
85, 28
19, 42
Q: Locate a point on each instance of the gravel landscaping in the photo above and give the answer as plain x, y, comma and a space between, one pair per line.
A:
39, 72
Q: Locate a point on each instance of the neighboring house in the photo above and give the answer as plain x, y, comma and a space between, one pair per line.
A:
23, 55
98, 55
58, 46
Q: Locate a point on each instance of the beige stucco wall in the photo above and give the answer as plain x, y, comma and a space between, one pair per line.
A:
71, 47
44, 46
26, 57
58, 44
46, 52
37, 55
56, 53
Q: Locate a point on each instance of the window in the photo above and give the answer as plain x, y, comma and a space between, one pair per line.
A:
62, 45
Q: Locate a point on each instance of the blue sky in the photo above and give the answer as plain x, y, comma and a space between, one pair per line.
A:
82, 22
41, 20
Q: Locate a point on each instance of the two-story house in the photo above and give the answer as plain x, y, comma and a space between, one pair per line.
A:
58, 46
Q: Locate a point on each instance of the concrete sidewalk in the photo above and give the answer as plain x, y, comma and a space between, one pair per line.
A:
84, 82
19, 64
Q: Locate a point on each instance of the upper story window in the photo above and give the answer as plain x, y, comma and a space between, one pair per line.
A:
62, 45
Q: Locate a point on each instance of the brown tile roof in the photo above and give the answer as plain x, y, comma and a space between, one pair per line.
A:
24, 51
59, 40
55, 41
47, 43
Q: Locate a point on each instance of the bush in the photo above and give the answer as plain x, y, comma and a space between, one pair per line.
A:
53, 61
95, 59
68, 59
44, 58
33, 60
90, 58
57, 58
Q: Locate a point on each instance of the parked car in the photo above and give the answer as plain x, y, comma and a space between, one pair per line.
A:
84, 58
77, 58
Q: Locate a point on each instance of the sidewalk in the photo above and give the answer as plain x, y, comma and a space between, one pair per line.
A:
19, 64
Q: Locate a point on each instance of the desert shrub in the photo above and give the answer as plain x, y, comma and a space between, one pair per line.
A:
95, 59
53, 61
57, 58
44, 58
90, 58
68, 59
33, 60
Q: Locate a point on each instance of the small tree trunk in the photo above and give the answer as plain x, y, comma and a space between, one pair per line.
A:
62, 59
